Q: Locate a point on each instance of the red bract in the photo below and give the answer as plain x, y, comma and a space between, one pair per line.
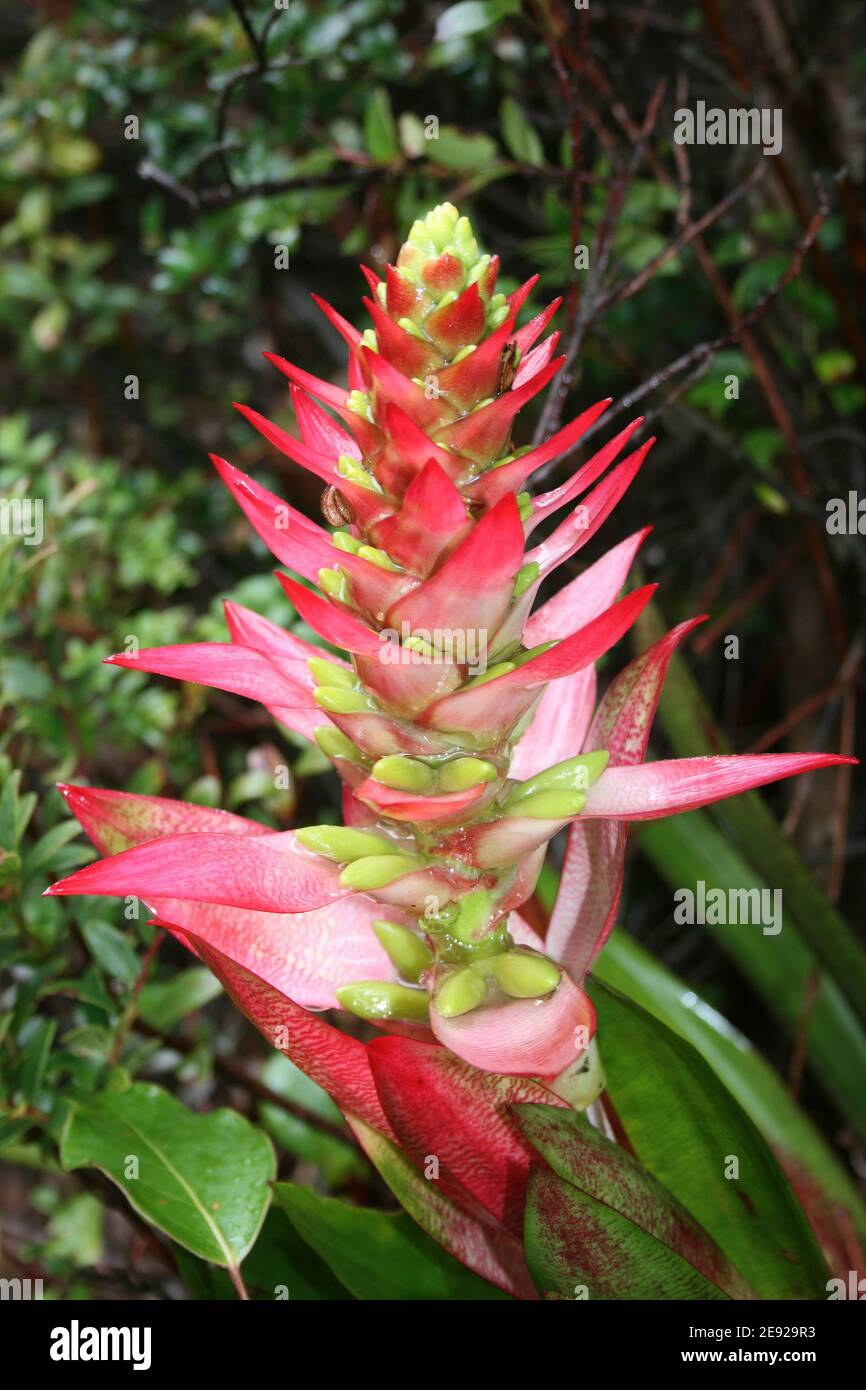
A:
462, 727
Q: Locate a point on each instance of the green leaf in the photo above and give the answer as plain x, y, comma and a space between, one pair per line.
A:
378, 1254
472, 17
110, 948
202, 1179
380, 130
75, 1231
687, 1130
34, 1059
605, 1174
627, 967
279, 1266
689, 725
454, 150
521, 139
575, 1244
689, 849
164, 1003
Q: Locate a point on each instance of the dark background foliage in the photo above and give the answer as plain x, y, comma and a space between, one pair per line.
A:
158, 162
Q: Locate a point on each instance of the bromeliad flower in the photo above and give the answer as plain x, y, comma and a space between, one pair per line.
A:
460, 721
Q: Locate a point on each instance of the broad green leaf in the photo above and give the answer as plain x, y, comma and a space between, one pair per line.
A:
689, 1132
689, 725
605, 1173
627, 967
454, 150
471, 17
280, 1267
34, 1059
164, 1003
521, 139
689, 849
378, 1254
380, 129
113, 952
577, 1247
202, 1179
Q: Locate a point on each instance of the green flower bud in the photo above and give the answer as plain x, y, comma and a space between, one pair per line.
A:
409, 326
406, 774
334, 583
474, 912
378, 870
355, 472
501, 668
523, 974
377, 557
369, 339
343, 541
478, 269
343, 844
461, 773
380, 999
522, 659
464, 352
419, 644
575, 774
526, 577
338, 701
448, 298
382, 292
548, 805
326, 673
406, 951
334, 744
524, 503
459, 993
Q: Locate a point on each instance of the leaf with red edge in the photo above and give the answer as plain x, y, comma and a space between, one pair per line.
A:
116, 820
577, 1247
333, 1060
481, 1246
439, 1105
581, 1157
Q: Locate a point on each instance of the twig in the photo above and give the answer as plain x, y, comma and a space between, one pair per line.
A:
705, 350
587, 310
